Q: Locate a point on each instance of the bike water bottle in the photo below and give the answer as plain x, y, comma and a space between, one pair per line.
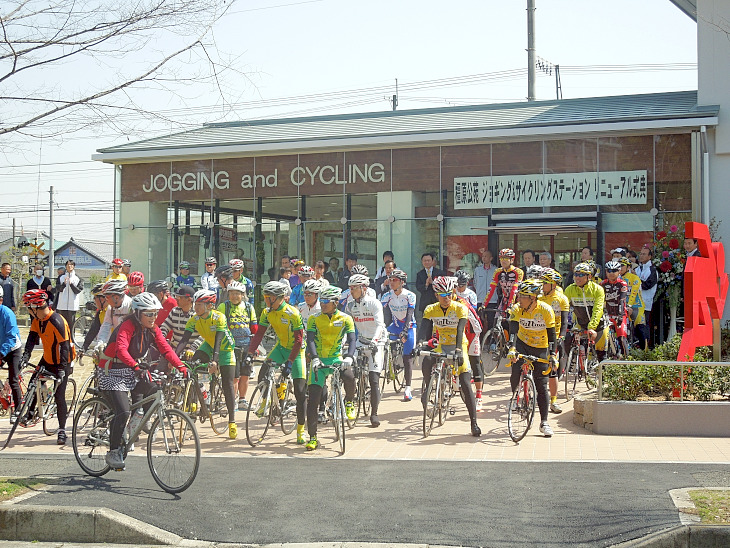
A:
206, 397
281, 390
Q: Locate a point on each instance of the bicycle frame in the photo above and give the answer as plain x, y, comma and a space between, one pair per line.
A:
443, 383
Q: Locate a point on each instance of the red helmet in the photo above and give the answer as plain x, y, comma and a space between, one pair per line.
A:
35, 298
135, 279
118, 262
506, 252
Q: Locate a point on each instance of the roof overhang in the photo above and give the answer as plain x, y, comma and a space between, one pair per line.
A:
689, 7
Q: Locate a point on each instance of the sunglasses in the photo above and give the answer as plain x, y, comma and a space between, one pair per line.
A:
611, 270
150, 314
327, 301
443, 294
309, 294
579, 275
116, 266
209, 264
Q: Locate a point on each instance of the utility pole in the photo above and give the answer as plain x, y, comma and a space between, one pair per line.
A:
531, 50
52, 253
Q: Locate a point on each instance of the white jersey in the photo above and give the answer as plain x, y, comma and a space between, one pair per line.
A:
306, 311
209, 281
469, 296
345, 297
113, 317
399, 304
368, 317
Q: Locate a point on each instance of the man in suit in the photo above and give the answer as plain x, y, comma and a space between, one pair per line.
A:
424, 280
690, 247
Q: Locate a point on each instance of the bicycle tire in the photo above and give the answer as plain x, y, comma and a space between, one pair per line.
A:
51, 410
387, 373
22, 413
217, 407
173, 450
191, 404
430, 410
339, 417
84, 390
444, 397
572, 371
363, 395
521, 410
258, 415
399, 370
492, 353
90, 436
288, 409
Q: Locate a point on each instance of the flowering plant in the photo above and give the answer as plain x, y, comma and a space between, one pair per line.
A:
669, 261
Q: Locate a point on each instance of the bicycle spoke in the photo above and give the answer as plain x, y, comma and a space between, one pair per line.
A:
173, 450
258, 416
90, 436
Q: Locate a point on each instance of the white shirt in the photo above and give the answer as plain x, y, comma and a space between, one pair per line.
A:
643, 271
113, 317
469, 296
209, 281
306, 311
368, 317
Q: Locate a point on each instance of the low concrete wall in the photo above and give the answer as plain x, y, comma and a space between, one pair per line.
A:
683, 536
652, 418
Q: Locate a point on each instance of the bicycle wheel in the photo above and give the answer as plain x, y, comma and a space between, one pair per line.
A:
258, 416
444, 397
591, 368
398, 369
432, 403
339, 417
387, 373
364, 394
81, 328
572, 371
521, 409
51, 410
492, 354
84, 390
90, 436
217, 407
24, 414
288, 408
173, 450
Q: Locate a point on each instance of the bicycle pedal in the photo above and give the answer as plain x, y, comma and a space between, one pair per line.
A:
452, 411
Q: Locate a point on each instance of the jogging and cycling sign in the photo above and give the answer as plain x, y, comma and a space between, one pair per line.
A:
547, 190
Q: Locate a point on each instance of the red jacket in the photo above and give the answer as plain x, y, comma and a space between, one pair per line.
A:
130, 342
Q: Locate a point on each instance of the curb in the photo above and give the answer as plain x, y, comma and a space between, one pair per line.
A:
683, 536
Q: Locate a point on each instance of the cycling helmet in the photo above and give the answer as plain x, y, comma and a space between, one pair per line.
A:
625, 261
158, 286
359, 269
135, 279
223, 271
506, 252
312, 286
358, 279
306, 271
613, 265
117, 262
184, 291
534, 272
126, 262
530, 287
236, 264
593, 265
235, 285
184, 264
444, 284
583, 268
97, 289
35, 298
145, 301
462, 277
205, 296
211, 260
277, 289
398, 274
551, 276
114, 287
330, 293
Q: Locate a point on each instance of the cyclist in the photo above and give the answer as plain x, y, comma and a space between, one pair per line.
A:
185, 278
306, 273
448, 318
208, 279
223, 275
135, 283
473, 331
51, 330
10, 352
288, 352
367, 312
237, 266
217, 348
116, 273
121, 368
635, 302
345, 297
100, 305
119, 304
310, 306
587, 300
126, 267
505, 281
552, 294
399, 310
174, 325
242, 323
532, 331
327, 333
161, 290
616, 292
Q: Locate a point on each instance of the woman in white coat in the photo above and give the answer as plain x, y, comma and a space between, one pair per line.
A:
68, 290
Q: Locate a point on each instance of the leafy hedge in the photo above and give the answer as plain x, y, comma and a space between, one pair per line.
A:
631, 382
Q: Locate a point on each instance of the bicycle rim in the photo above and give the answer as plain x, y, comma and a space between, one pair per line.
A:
217, 408
431, 409
521, 410
90, 436
84, 391
365, 395
288, 409
191, 404
399, 371
491, 353
258, 416
173, 450
444, 398
340, 419
570, 377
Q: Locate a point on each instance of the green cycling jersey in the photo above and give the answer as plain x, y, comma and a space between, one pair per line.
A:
587, 303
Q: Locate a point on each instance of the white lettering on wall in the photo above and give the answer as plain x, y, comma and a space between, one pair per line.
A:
188, 181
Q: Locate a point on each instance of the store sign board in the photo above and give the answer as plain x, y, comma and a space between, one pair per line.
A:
81, 258
228, 239
549, 190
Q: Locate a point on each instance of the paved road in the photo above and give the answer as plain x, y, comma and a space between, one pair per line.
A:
265, 500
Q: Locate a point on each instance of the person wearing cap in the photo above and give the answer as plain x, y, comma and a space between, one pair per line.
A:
208, 279
350, 261
116, 273
174, 325
248, 285
185, 278
306, 273
223, 274
126, 266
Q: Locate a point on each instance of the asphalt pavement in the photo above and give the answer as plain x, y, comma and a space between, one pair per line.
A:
264, 500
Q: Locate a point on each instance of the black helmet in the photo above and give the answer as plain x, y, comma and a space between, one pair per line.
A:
224, 271
158, 286
462, 277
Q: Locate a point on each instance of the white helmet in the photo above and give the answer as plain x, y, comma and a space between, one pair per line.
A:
360, 269
312, 286
358, 279
235, 285
205, 296
277, 289
114, 287
145, 301
331, 292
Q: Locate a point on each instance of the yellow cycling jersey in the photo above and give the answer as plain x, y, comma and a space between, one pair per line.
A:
208, 326
634, 283
534, 324
285, 320
559, 303
446, 323
330, 332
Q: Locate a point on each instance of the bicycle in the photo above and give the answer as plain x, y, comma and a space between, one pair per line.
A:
521, 410
335, 408
191, 396
441, 388
394, 370
494, 346
362, 379
616, 347
84, 321
173, 445
38, 391
581, 362
6, 395
271, 402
